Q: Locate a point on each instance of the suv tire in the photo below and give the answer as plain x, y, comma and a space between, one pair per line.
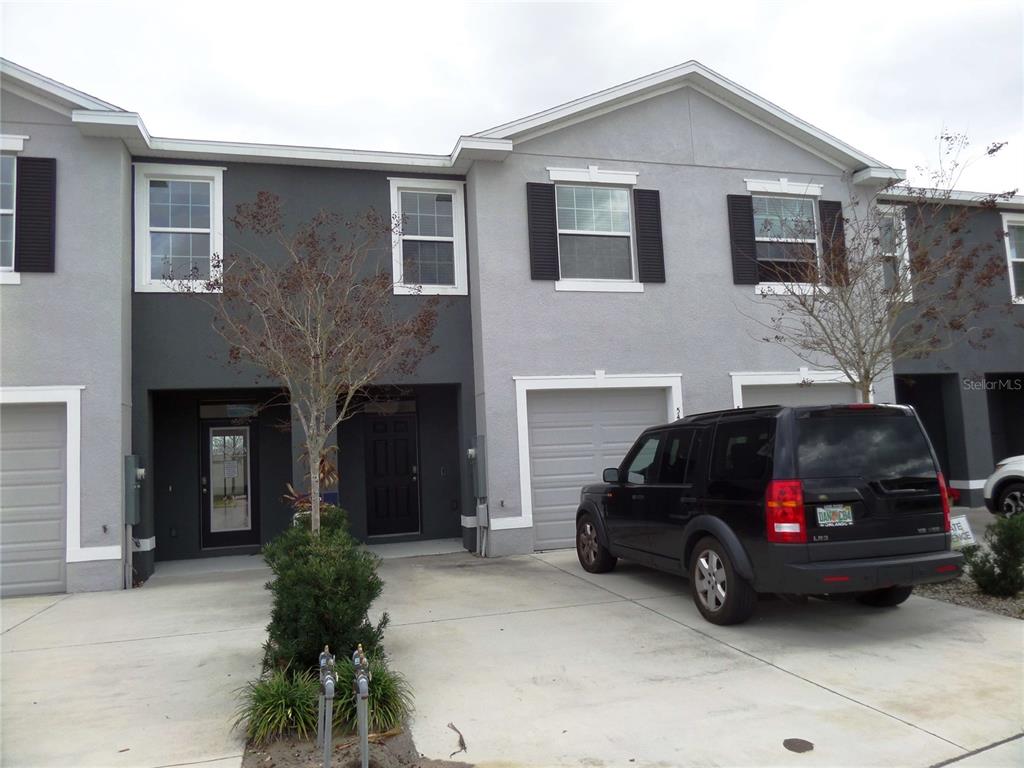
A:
720, 594
885, 598
1011, 500
593, 555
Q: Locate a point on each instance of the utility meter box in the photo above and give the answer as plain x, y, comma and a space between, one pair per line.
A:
133, 476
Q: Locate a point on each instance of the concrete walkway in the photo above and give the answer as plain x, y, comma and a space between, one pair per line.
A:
146, 677
541, 664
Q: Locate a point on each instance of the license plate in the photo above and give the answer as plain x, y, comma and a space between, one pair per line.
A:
833, 515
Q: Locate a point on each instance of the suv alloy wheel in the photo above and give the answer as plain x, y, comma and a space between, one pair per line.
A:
721, 595
594, 557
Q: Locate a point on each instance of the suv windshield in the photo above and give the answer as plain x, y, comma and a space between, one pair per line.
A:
861, 443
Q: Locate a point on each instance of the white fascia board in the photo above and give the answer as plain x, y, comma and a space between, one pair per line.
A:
953, 197
688, 73
879, 175
121, 125
63, 94
470, 148
129, 127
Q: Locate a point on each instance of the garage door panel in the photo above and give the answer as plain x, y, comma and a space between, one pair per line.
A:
33, 494
45, 459
574, 435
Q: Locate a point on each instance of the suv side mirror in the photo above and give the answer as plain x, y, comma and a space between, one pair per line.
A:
611, 475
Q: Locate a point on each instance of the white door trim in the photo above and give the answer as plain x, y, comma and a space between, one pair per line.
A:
752, 378
672, 383
71, 397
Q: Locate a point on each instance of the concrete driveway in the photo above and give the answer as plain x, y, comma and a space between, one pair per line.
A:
540, 664
145, 677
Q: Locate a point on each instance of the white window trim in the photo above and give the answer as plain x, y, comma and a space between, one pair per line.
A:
144, 172
593, 175
742, 379
776, 287
594, 284
599, 286
1012, 220
71, 397
671, 383
12, 143
446, 186
784, 187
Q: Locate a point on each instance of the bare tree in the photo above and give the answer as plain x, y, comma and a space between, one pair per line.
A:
314, 312
898, 277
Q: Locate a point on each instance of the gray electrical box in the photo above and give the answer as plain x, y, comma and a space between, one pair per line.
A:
133, 475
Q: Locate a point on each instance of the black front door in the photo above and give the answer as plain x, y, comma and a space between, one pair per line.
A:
392, 477
227, 482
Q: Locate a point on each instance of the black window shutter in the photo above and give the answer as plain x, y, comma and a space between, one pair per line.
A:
35, 214
540, 215
833, 242
650, 252
741, 239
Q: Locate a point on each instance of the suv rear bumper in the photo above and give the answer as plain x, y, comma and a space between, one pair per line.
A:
867, 574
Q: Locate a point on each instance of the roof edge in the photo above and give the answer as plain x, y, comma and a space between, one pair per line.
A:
65, 93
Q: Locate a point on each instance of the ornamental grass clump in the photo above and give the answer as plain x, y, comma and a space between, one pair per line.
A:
280, 704
390, 696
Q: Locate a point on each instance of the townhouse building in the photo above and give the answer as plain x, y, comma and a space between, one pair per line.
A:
600, 264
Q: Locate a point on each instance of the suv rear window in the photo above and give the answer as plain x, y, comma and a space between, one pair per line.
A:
862, 443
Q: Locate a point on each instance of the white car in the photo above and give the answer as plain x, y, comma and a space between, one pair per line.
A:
1004, 489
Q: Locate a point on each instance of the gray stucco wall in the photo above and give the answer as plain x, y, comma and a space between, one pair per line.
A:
970, 421
71, 327
174, 346
695, 151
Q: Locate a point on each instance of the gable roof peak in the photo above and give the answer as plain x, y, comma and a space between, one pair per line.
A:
695, 75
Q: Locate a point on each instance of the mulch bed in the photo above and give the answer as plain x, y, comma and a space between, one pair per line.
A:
395, 752
963, 591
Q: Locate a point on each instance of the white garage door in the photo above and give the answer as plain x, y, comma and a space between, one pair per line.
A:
574, 435
795, 394
32, 499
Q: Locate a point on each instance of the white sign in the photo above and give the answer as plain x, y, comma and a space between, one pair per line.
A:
230, 469
961, 530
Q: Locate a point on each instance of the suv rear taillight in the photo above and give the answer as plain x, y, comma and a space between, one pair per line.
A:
784, 512
944, 494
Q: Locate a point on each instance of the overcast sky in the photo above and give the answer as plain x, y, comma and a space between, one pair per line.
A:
885, 77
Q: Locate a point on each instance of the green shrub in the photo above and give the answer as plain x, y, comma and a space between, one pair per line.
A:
390, 696
322, 590
999, 569
280, 704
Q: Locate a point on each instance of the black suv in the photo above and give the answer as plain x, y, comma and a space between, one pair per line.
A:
791, 501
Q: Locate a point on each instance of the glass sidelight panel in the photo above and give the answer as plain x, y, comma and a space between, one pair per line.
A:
230, 503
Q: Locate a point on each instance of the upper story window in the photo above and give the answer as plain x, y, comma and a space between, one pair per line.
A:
178, 225
1013, 224
786, 238
594, 233
8, 175
429, 249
